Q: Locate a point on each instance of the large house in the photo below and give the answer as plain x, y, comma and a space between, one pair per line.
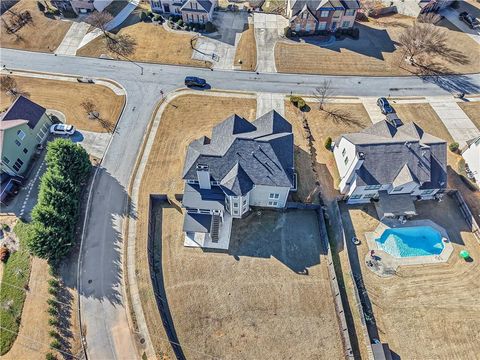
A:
244, 164
23, 127
192, 11
309, 16
390, 158
81, 6
471, 154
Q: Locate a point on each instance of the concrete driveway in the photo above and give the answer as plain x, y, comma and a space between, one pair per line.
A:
452, 16
269, 28
73, 38
229, 25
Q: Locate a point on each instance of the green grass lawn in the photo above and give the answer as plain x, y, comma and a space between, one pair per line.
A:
16, 272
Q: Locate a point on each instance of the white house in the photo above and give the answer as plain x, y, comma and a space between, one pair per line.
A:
192, 11
244, 164
392, 158
471, 154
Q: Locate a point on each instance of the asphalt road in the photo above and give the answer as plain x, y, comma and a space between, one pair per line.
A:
101, 292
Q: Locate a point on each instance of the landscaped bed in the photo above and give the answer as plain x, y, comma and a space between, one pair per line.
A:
41, 34
67, 97
154, 44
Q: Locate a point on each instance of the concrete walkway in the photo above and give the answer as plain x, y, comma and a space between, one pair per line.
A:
269, 28
370, 105
455, 120
452, 16
270, 101
72, 39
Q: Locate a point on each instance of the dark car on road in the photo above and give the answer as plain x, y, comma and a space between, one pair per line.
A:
195, 81
385, 106
468, 19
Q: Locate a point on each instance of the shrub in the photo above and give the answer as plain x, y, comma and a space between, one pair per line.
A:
454, 147
209, 27
55, 344
52, 311
52, 291
4, 252
179, 22
157, 18
149, 13
52, 302
54, 283
50, 356
53, 322
297, 101
143, 16
40, 6
54, 334
287, 32
328, 143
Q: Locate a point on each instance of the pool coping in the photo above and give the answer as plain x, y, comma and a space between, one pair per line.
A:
384, 263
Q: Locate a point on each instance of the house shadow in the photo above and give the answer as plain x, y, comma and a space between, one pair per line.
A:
290, 236
372, 42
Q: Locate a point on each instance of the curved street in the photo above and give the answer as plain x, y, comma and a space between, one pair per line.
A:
100, 287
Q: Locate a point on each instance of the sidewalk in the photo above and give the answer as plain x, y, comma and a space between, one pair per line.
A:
270, 101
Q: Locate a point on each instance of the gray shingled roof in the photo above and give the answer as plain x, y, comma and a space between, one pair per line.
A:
399, 155
208, 199
24, 109
206, 5
314, 5
197, 223
260, 153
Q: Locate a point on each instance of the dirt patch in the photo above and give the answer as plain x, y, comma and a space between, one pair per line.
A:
321, 126
425, 312
374, 53
67, 97
472, 109
42, 34
247, 50
154, 44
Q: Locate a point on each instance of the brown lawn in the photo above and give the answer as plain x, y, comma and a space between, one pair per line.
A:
221, 313
425, 312
42, 34
247, 50
322, 126
154, 44
373, 54
472, 109
67, 96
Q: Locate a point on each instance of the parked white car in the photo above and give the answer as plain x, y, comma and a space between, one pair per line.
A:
62, 129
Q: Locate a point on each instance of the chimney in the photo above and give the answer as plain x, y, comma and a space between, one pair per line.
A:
203, 176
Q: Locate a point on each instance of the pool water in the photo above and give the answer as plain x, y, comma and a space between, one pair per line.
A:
411, 241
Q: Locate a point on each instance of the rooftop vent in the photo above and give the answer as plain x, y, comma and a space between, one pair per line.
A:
393, 119
361, 155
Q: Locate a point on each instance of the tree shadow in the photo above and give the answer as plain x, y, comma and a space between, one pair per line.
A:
290, 236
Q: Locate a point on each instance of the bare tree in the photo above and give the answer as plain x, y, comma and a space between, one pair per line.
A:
123, 45
429, 18
90, 108
323, 93
425, 41
368, 6
8, 84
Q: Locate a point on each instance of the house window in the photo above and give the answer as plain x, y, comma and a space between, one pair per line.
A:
344, 152
42, 133
18, 143
244, 201
235, 212
373, 187
297, 27
322, 25
274, 196
398, 189
354, 197
21, 134
5, 159
25, 150
18, 164
192, 181
426, 192
346, 24
324, 13
273, 203
350, 12
235, 205
346, 160
368, 196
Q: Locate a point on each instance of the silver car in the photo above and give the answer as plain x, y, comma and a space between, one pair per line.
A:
62, 129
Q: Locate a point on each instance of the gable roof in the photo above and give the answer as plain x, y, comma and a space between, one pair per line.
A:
399, 155
241, 154
22, 109
205, 6
298, 6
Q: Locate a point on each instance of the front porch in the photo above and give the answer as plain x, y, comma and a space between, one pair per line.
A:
215, 235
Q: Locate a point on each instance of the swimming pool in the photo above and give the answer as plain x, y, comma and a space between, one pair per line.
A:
411, 241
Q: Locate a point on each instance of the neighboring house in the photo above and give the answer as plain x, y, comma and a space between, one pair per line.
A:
81, 6
244, 164
192, 11
393, 158
22, 127
471, 154
416, 7
309, 16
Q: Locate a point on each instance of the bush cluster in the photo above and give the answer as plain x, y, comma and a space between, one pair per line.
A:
52, 231
297, 101
328, 143
454, 147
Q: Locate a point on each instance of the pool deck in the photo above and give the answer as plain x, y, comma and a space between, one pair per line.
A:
384, 264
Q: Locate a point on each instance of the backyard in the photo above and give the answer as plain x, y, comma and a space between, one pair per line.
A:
67, 97
33, 36
375, 53
424, 312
